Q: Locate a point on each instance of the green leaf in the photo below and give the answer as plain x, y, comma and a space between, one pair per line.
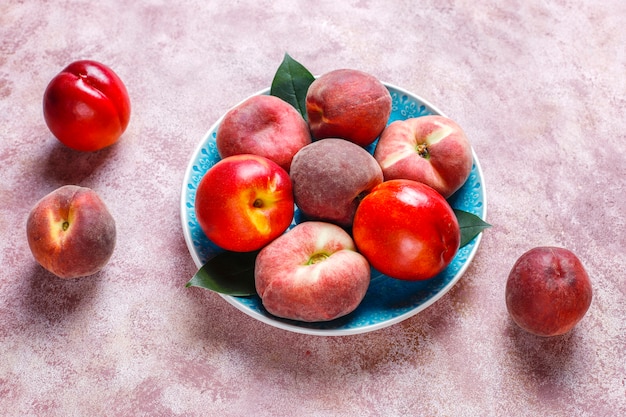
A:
230, 273
470, 224
291, 83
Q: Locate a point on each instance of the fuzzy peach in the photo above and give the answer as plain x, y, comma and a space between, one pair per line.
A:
71, 232
263, 125
348, 104
311, 273
432, 149
330, 177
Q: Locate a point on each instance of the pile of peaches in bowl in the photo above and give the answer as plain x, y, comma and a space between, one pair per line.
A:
346, 199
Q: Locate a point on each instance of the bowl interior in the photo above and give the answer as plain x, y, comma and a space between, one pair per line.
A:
388, 301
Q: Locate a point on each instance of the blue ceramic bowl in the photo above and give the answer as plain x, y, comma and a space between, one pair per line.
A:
388, 301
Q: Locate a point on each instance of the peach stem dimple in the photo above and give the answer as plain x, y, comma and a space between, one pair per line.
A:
422, 150
317, 258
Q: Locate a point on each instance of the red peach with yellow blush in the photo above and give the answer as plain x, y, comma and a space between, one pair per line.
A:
243, 202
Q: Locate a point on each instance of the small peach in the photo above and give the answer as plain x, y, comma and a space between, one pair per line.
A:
548, 291
311, 273
348, 104
71, 233
432, 150
330, 177
265, 126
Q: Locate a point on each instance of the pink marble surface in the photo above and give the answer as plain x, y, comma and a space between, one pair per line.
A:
540, 88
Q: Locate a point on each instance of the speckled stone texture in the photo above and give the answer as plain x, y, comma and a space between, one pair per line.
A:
539, 87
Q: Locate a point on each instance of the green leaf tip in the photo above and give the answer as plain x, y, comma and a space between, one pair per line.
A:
291, 83
230, 273
470, 224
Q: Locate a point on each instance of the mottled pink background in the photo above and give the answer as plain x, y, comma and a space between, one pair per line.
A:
540, 88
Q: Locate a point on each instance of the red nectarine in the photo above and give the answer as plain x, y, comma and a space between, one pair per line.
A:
86, 106
548, 291
243, 202
406, 230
